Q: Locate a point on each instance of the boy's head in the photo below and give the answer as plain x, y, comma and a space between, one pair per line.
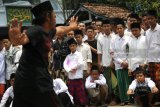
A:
136, 29
12, 77
132, 18
90, 31
152, 17
78, 34
95, 72
106, 26
120, 26
140, 75
72, 44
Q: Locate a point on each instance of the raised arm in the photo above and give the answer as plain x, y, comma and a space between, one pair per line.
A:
65, 29
15, 34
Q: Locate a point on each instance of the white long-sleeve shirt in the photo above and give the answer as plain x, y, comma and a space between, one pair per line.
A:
8, 93
2, 67
60, 86
148, 81
74, 61
153, 43
86, 54
10, 56
103, 48
89, 84
118, 48
137, 52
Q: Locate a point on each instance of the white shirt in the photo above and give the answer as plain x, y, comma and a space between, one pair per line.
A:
8, 93
103, 47
2, 66
86, 54
85, 38
150, 83
137, 52
101, 81
60, 86
10, 60
74, 61
153, 43
118, 49
128, 32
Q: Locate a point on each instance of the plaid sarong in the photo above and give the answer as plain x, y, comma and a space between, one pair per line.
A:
77, 90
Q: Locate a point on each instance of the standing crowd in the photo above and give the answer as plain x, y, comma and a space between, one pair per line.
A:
105, 63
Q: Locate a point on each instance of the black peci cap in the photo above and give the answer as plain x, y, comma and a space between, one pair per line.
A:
152, 13
135, 25
42, 7
71, 41
78, 32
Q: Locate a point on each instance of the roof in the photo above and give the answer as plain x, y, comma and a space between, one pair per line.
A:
109, 11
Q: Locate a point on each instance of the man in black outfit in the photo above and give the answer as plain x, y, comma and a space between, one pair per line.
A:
33, 84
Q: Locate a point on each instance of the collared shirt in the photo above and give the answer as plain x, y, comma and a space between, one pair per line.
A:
60, 86
2, 66
103, 47
89, 84
137, 52
8, 93
153, 43
74, 61
10, 56
86, 54
147, 81
128, 32
118, 49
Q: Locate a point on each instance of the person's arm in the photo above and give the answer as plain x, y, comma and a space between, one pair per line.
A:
65, 65
89, 83
15, 35
89, 59
5, 97
62, 85
101, 80
152, 86
65, 29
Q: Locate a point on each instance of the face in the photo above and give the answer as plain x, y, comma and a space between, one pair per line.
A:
145, 21
120, 30
60, 36
95, 74
152, 20
79, 38
136, 32
73, 47
70, 34
6, 43
130, 21
140, 77
98, 25
90, 33
52, 21
82, 26
106, 28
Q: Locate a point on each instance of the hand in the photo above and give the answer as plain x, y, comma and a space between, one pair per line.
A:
154, 90
124, 64
129, 72
73, 22
130, 92
112, 65
15, 30
15, 35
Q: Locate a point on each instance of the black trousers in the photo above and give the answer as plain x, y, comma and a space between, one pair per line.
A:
46, 99
65, 99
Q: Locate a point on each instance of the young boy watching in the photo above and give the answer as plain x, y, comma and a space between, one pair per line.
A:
142, 88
